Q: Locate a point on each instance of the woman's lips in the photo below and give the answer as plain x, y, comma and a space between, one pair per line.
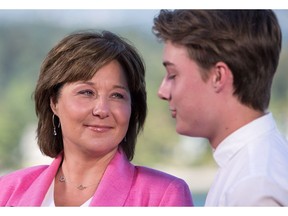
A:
99, 128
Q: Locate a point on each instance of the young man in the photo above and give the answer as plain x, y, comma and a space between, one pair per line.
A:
219, 70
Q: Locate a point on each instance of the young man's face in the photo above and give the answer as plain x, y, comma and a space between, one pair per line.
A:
190, 98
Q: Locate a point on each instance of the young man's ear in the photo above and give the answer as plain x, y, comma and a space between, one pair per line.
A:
221, 76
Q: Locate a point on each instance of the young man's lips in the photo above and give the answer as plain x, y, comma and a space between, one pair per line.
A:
173, 113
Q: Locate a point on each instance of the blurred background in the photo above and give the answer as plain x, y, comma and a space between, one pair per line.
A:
25, 38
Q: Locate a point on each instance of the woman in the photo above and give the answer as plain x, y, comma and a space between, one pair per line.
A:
91, 105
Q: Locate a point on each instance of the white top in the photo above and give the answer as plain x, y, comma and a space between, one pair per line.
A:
253, 167
49, 198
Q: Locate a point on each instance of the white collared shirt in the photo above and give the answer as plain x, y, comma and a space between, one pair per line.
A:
253, 167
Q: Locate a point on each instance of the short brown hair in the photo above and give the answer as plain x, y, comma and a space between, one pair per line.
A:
248, 41
78, 57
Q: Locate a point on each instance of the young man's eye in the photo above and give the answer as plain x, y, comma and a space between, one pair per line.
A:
172, 76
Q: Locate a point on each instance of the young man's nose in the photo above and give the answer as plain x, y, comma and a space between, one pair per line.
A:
164, 91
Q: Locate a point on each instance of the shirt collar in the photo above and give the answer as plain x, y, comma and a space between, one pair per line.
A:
232, 144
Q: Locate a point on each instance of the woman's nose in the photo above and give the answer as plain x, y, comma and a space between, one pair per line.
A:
101, 108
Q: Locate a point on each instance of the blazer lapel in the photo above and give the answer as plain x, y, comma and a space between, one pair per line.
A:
116, 182
36, 192
113, 189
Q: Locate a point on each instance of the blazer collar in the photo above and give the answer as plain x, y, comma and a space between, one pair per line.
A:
116, 182
113, 189
36, 192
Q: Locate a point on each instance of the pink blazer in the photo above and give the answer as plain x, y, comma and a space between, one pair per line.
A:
122, 184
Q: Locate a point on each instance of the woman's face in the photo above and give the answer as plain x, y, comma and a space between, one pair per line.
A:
95, 114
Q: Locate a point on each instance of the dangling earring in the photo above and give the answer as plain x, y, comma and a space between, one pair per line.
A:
54, 128
125, 140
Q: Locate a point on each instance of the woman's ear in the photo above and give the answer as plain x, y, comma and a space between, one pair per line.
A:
53, 105
221, 76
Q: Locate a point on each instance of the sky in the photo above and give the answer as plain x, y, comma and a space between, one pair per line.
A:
132, 4
100, 17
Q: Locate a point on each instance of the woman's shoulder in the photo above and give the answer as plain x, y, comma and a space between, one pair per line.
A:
170, 189
22, 174
156, 175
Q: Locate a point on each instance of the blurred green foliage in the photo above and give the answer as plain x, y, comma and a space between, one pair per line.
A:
22, 50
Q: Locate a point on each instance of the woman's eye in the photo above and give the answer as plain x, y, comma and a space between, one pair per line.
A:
86, 92
118, 95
